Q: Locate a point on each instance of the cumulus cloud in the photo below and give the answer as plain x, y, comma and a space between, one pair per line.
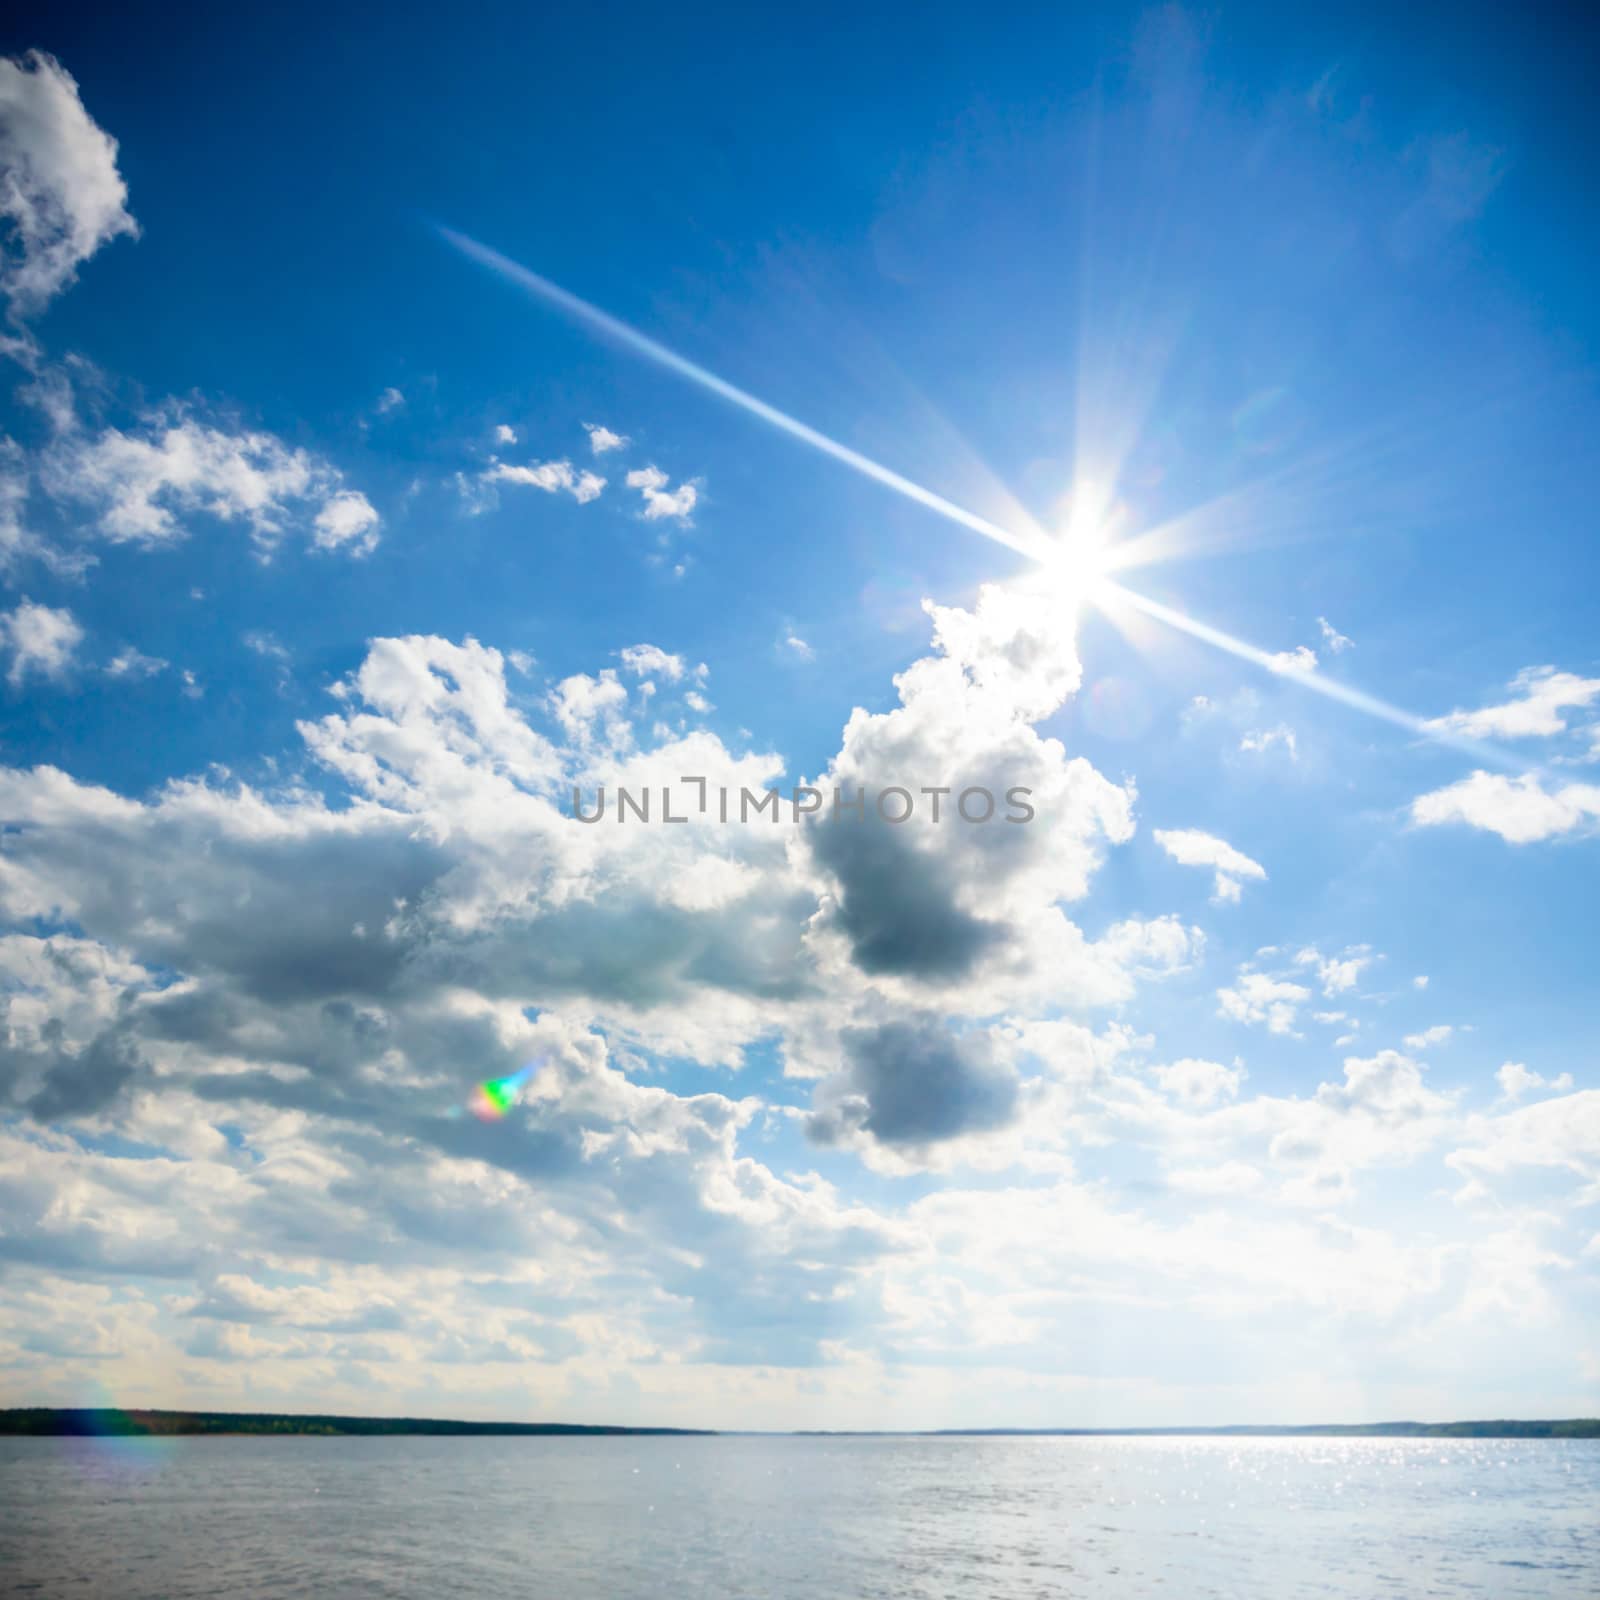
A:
914, 1082
42, 640
1192, 848
1337, 974
602, 439
1301, 659
1543, 694
1387, 1087
235, 1063
977, 905
145, 483
1440, 1033
61, 194
1562, 1132
1517, 1079
648, 660
1521, 810
1199, 1083
1257, 998
659, 501
347, 521
550, 476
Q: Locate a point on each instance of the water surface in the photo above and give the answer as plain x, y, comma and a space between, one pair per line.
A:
786, 1518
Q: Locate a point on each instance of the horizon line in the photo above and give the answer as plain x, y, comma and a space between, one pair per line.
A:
215, 1423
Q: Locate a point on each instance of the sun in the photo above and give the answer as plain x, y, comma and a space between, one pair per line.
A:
1082, 553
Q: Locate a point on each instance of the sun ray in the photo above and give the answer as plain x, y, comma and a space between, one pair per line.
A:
1109, 596
1032, 543
1078, 560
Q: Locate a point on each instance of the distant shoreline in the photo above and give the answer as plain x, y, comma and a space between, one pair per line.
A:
71, 1422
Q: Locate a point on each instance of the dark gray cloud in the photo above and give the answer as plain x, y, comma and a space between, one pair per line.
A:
54, 1080
915, 1083
78, 1084
897, 905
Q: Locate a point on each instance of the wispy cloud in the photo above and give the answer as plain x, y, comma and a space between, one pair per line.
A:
1335, 641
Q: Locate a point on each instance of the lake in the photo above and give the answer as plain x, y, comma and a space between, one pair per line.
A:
615, 1519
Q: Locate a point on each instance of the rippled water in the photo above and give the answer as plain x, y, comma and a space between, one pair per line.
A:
614, 1519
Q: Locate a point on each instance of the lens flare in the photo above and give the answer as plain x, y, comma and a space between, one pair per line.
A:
104, 1440
1076, 564
491, 1099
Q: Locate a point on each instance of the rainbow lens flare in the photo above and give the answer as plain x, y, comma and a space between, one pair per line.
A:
103, 1439
492, 1098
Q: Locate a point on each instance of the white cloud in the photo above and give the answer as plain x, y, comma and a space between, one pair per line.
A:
270, 648
1199, 1083
390, 400
1516, 1079
549, 476
62, 194
1257, 997
974, 914
131, 663
42, 640
1560, 1132
1420, 981
1337, 974
1438, 1034
659, 501
1192, 848
1335, 641
647, 659
347, 520
1260, 740
1387, 1087
697, 702
18, 542
1301, 659
504, 433
1230, 1178
583, 705
796, 647
426, 913
175, 466
603, 439
1521, 810
1543, 695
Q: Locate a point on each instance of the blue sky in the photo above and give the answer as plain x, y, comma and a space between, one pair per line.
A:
334, 557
